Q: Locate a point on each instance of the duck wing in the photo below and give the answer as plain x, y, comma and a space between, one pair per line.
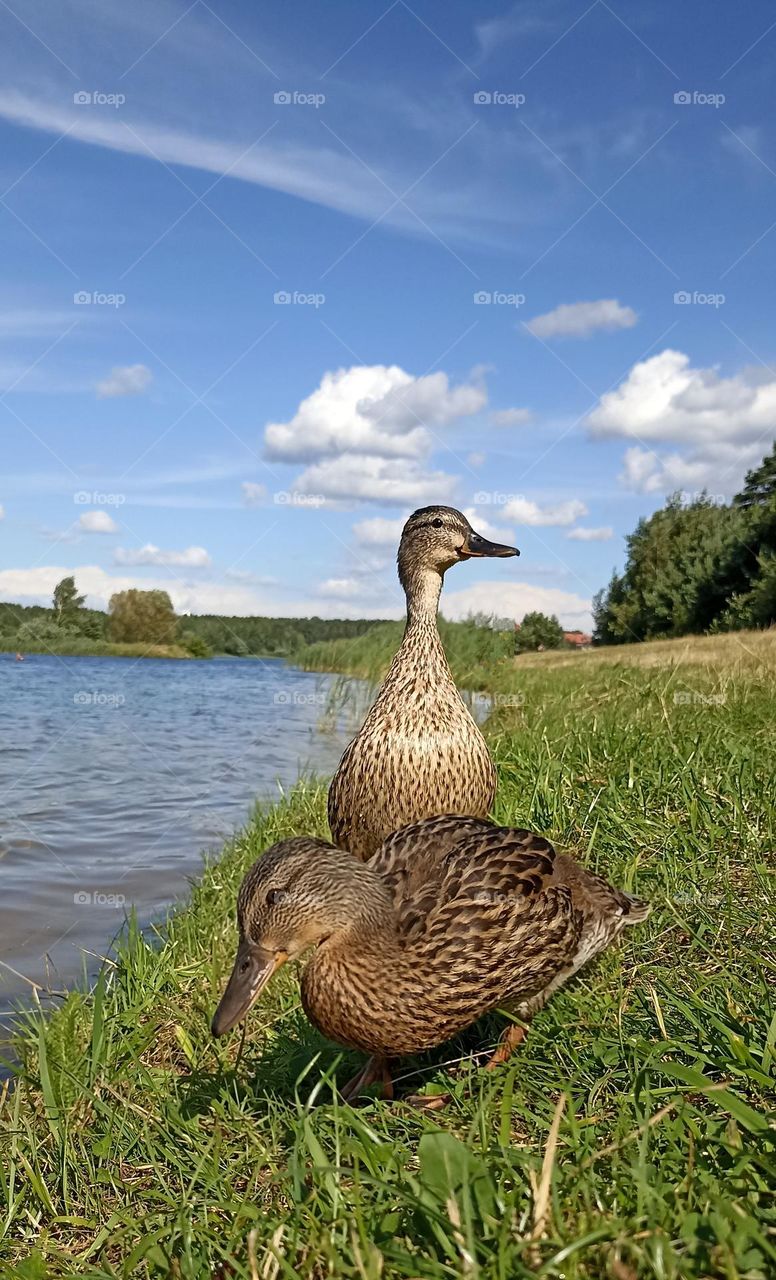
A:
413, 862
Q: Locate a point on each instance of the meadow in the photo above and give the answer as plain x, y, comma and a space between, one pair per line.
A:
632, 1135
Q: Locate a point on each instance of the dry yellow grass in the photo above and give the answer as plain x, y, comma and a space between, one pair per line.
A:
733, 649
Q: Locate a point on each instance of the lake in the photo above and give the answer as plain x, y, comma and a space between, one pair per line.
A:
116, 774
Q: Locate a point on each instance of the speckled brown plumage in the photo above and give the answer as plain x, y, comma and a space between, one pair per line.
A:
419, 751
452, 917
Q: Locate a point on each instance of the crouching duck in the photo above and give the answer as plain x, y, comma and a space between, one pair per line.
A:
452, 918
419, 751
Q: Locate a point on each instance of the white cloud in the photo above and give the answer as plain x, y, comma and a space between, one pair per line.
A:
35, 586
125, 380
524, 511
362, 478
378, 532
479, 522
253, 494
602, 534
511, 417
580, 319
515, 599
2, 512
340, 588
97, 522
190, 558
370, 409
366, 435
726, 423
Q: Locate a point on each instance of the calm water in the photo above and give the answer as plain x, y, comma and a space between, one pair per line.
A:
116, 774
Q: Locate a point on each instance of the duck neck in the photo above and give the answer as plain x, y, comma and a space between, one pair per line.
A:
422, 589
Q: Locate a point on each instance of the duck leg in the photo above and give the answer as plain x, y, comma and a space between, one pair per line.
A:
512, 1037
374, 1068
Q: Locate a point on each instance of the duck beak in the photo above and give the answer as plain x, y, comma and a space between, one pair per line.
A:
253, 968
475, 545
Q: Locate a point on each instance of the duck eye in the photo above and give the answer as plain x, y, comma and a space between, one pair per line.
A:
275, 895
437, 523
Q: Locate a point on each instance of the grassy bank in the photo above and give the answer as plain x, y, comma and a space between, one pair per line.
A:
476, 654
82, 647
135, 1146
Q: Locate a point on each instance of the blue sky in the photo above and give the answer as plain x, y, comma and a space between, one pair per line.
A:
335, 262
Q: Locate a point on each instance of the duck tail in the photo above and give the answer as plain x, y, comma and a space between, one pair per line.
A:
634, 909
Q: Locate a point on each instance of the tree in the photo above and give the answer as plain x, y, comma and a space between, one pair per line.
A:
67, 603
760, 483
196, 645
142, 617
538, 631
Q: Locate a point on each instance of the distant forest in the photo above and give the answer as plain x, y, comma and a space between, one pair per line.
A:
22, 626
697, 567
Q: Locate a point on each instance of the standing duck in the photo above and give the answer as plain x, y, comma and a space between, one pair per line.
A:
419, 751
452, 918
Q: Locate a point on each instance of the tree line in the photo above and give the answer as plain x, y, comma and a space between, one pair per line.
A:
148, 617
697, 567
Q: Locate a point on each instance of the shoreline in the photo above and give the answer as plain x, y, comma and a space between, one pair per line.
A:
135, 1145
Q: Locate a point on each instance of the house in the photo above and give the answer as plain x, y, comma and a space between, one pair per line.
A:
577, 639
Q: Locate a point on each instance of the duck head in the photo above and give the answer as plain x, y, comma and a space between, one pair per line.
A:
301, 892
436, 538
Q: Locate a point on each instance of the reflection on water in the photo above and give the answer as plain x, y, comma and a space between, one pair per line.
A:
116, 774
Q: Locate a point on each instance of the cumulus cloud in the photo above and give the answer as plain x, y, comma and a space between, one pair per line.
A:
253, 494
378, 532
125, 380
370, 409
340, 588
724, 423
602, 534
190, 558
239, 599
524, 511
581, 319
515, 599
511, 417
97, 522
480, 522
380, 480
366, 434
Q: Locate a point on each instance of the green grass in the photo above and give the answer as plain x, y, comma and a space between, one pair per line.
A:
133, 1145
476, 653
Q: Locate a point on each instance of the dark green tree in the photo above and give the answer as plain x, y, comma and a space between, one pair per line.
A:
760, 483
538, 631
